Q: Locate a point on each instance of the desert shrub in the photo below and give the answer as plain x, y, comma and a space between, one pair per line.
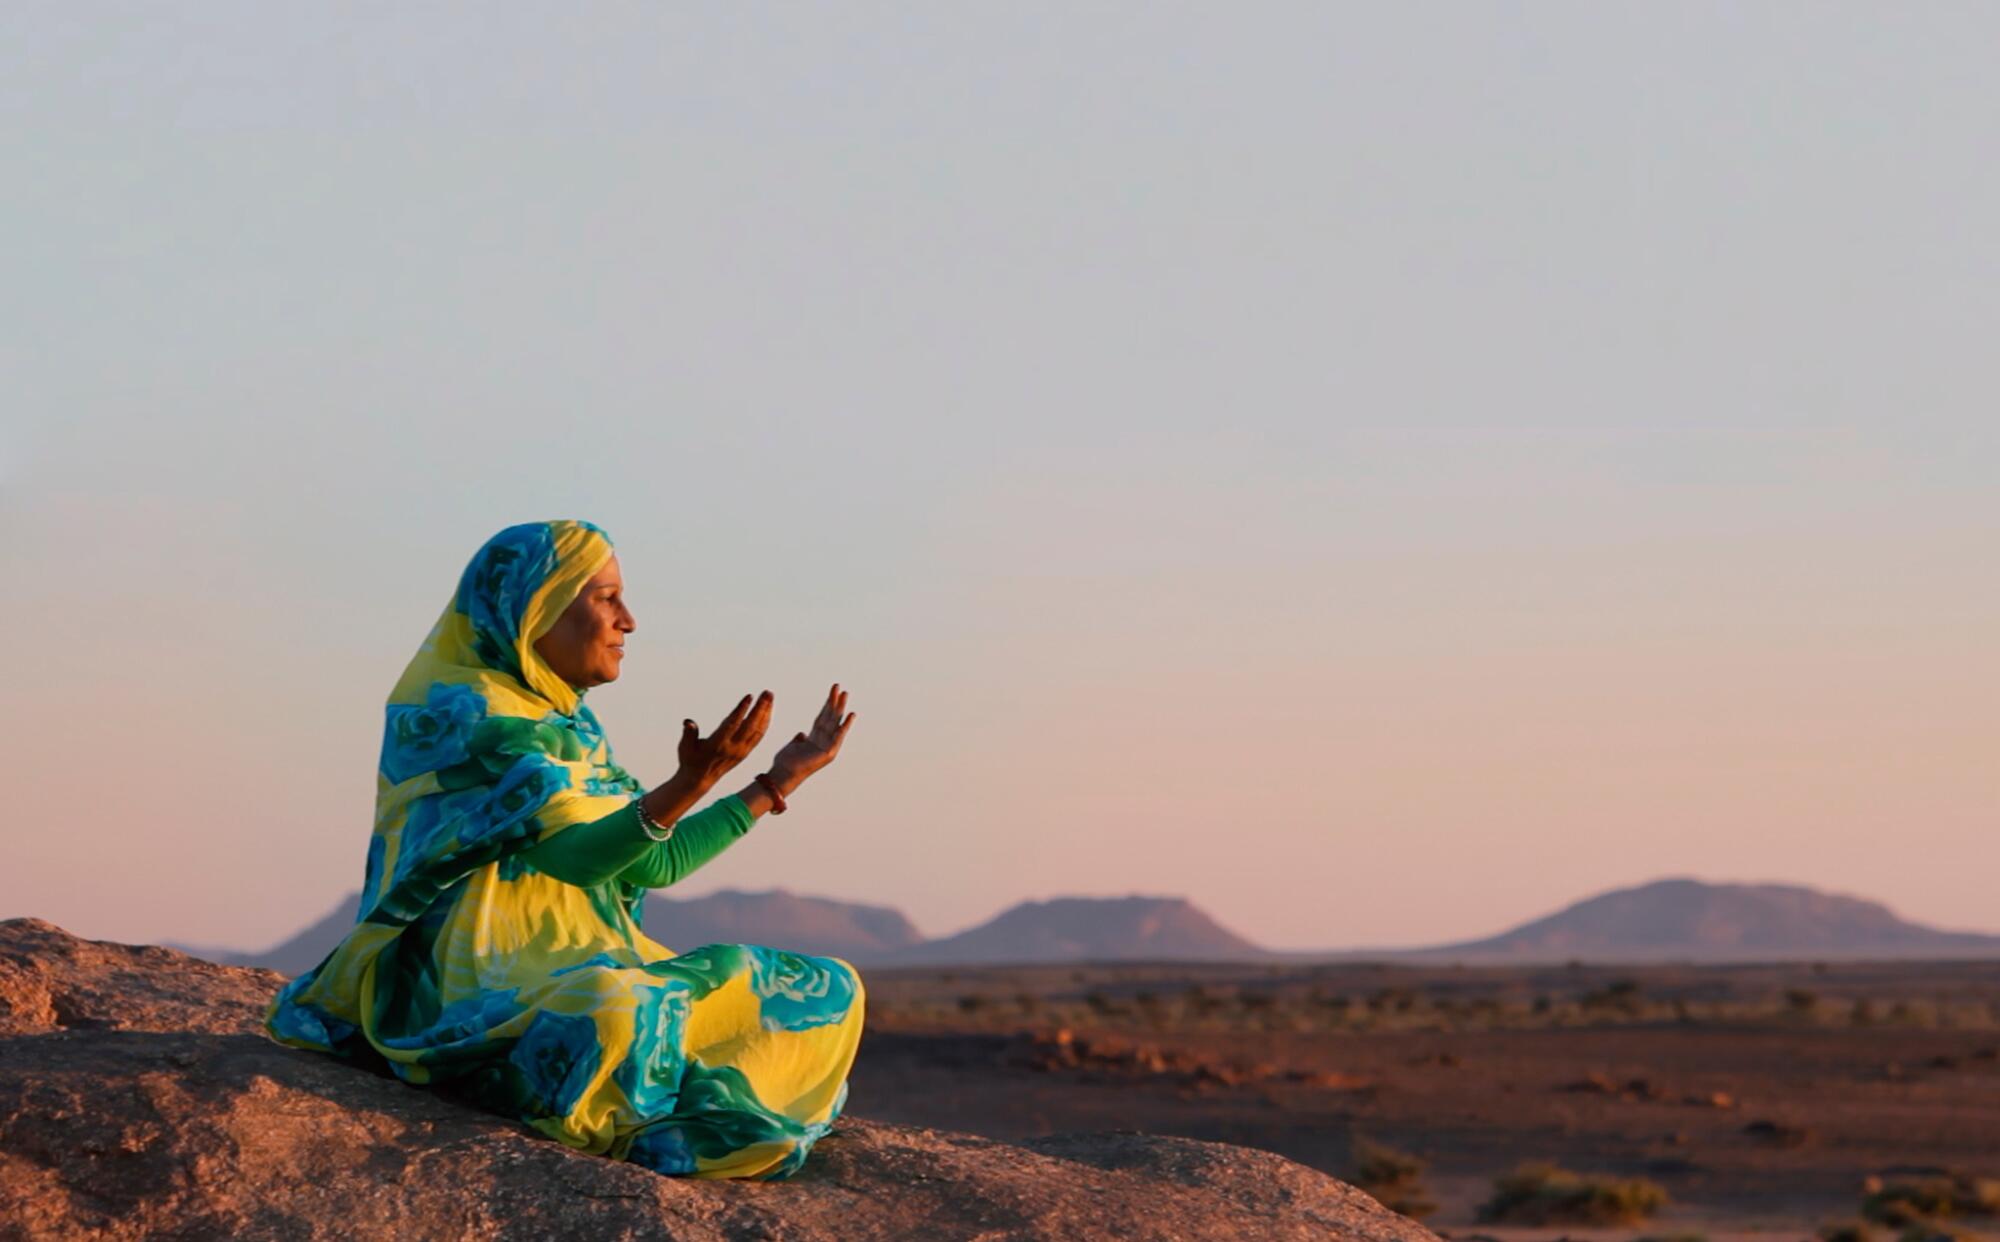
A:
1394, 1178
1941, 1196
1619, 995
1846, 1231
1543, 1194
1205, 1002
1779, 1133
1401, 1000
1935, 1233
1801, 1000
1863, 1013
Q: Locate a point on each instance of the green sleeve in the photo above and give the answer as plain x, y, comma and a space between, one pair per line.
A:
589, 854
616, 847
697, 839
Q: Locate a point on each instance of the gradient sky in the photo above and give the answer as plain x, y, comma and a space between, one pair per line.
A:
1380, 471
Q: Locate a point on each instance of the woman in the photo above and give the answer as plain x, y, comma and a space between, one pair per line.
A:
498, 951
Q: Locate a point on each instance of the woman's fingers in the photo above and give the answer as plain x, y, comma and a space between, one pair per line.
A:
760, 719
829, 715
733, 719
753, 725
830, 744
738, 735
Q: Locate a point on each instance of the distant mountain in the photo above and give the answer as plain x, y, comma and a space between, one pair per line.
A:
1683, 919
1065, 930
804, 924
817, 925
297, 954
1072, 929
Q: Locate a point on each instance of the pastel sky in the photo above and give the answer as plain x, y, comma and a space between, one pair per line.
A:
1380, 471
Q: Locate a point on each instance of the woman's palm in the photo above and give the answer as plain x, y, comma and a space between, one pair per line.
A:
807, 753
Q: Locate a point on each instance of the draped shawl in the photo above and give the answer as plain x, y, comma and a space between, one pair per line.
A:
485, 752
532, 997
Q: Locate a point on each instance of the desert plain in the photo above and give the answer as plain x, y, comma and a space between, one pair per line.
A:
1761, 1100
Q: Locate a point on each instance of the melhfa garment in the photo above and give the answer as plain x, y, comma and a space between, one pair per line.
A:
538, 999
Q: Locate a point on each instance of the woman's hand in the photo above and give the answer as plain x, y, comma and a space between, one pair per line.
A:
705, 759
806, 753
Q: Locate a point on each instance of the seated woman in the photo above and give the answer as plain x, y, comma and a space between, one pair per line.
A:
498, 952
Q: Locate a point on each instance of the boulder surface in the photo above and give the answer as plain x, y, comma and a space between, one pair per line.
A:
140, 1098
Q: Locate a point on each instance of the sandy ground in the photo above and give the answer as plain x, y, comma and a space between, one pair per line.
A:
1757, 1097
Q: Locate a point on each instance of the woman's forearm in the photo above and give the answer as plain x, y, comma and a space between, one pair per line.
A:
697, 839
590, 853
672, 798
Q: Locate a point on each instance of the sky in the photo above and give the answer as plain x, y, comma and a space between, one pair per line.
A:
1380, 471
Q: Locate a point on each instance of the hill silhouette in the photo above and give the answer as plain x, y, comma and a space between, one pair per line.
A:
1686, 919
295, 954
1666, 920
1070, 929
819, 925
1066, 929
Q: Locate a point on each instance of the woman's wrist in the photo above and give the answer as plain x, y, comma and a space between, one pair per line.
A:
787, 781
758, 799
674, 797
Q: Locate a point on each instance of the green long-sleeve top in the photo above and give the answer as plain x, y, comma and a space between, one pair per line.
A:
617, 848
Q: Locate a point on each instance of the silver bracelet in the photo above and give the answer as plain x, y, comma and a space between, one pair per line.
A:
651, 826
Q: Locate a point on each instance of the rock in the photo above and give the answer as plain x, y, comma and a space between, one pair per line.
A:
51, 981
140, 1098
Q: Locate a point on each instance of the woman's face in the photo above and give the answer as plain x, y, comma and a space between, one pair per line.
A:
587, 642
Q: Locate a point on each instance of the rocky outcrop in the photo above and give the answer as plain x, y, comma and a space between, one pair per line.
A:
139, 1098
53, 981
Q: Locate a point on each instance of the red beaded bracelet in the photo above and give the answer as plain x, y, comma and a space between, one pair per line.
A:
771, 787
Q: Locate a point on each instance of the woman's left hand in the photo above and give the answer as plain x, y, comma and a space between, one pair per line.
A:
807, 753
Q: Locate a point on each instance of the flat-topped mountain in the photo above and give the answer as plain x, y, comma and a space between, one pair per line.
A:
139, 1098
817, 925
1684, 919
1073, 929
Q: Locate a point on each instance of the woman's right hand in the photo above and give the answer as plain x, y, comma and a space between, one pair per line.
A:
705, 759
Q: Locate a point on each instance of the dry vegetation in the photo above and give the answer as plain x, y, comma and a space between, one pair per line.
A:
1376, 997
1728, 1098
1395, 1178
1542, 1194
